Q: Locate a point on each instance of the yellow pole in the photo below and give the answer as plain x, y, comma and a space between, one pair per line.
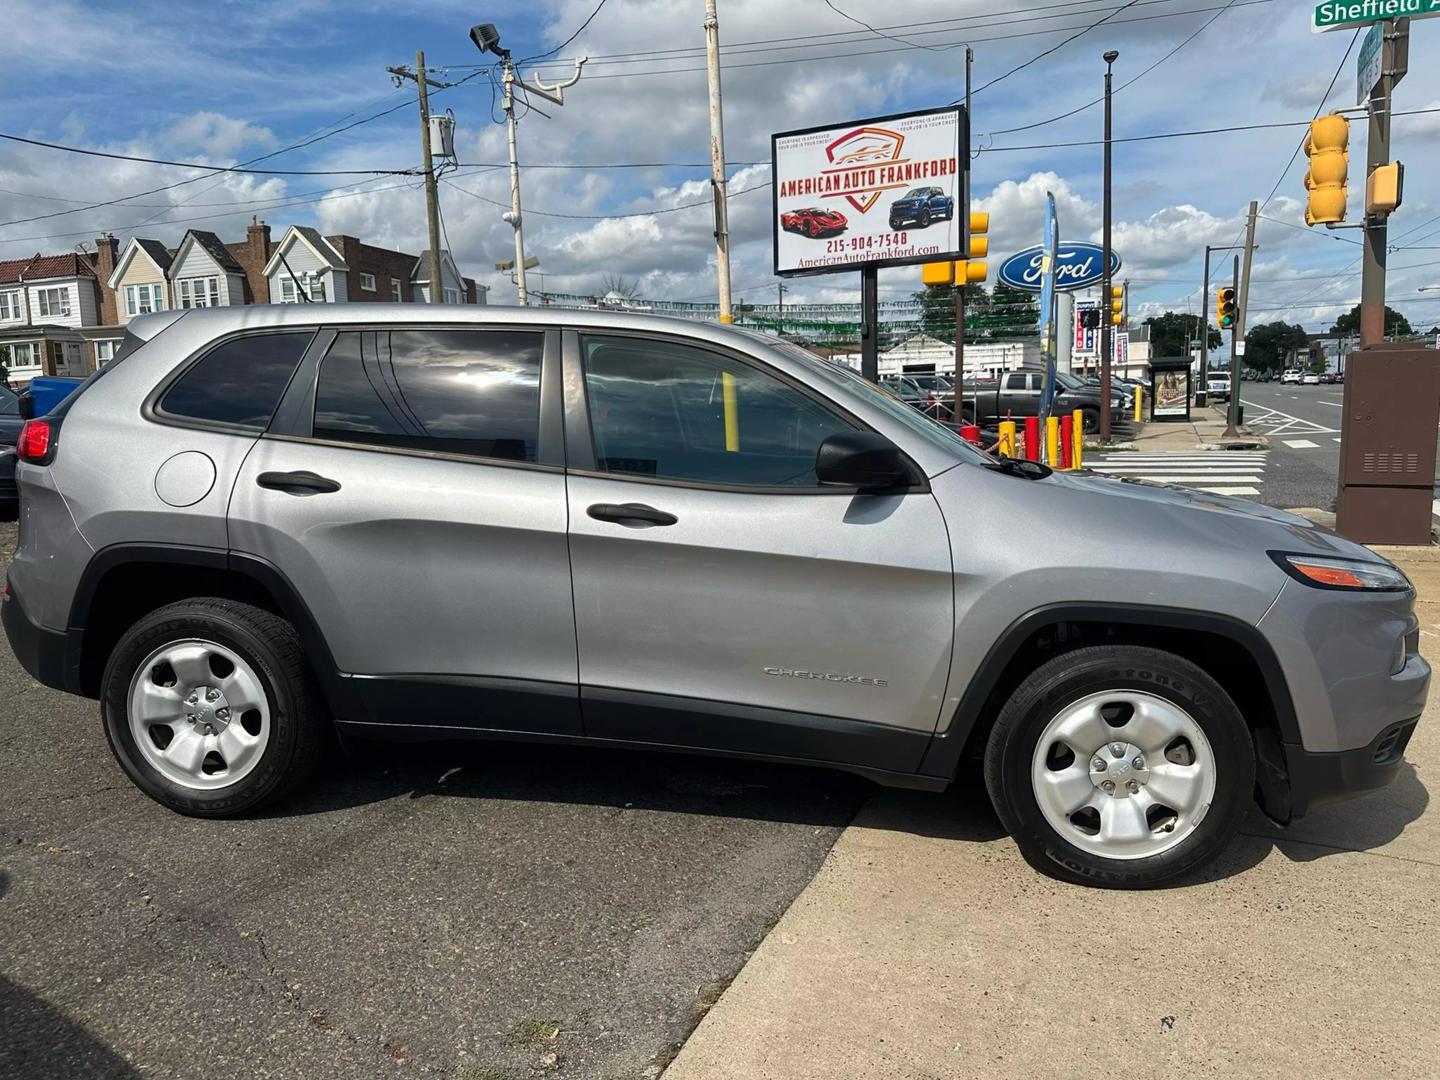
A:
1052, 442
732, 412
1139, 403
1007, 438
1077, 438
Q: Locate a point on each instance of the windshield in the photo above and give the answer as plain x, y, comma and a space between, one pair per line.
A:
1068, 381
917, 193
1219, 376
850, 384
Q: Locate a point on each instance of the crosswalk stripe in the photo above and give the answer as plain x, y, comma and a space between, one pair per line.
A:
1215, 472
1198, 469
1211, 479
1230, 490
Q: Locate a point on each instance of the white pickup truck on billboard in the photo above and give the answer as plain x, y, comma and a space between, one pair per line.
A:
884, 192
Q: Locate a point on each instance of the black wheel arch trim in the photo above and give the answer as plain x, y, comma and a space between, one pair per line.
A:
339, 693
943, 757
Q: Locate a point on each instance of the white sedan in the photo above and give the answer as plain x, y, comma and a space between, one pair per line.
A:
1310, 379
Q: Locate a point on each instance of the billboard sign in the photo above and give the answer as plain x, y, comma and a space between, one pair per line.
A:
1077, 265
888, 191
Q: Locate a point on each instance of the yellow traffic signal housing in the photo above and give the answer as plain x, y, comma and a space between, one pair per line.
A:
1383, 188
938, 273
971, 271
1225, 307
1326, 146
974, 268
1117, 304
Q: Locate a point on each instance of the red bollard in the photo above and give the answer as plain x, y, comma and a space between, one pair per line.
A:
970, 433
1067, 448
1032, 438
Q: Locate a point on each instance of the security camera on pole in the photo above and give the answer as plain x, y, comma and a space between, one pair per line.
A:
487, 39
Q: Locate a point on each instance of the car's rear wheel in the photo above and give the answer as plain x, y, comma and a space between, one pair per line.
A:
1089, 421
210, 707
1120, 766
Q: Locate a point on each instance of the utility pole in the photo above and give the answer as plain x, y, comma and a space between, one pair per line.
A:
780, 307
1377, 152
432, 196
717, 161
1105, 333
1237, 332
515, 219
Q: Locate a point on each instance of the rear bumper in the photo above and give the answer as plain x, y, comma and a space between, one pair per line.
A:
43, 653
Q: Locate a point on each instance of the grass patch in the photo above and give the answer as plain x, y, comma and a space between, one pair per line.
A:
532, 1032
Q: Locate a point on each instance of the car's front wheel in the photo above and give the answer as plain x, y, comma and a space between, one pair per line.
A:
210, 707
922, 219
1120, 766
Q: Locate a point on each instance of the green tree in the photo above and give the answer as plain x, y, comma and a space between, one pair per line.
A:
1172, 332
1396, 325
937, 311
1269, 345
1012, 313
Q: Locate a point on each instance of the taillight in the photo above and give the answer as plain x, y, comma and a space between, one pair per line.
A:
36, 443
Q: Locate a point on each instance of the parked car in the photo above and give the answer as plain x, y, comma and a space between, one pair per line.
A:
921, 206
1310, 378
592, 527
813, 221
1217, 384
1290, 378
1017, 394
933, 395
10, 424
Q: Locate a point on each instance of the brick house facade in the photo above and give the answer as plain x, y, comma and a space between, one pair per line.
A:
252, 254
384, 265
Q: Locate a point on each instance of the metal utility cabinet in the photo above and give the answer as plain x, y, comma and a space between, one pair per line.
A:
1387, 449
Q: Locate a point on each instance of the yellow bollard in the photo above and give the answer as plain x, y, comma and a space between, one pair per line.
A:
732, 411
1139, 403
1007, 438
1077, 439
1052, 442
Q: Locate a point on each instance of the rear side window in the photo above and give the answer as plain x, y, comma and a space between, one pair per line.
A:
238, 382
474, 392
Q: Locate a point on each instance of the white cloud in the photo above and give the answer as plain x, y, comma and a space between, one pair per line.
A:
215, 135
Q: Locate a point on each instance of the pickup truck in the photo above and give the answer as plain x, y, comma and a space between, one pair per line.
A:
1016, 394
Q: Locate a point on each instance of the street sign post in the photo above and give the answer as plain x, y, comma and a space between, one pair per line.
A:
1348, 14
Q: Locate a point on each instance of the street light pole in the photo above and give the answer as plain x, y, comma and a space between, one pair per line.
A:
1105, 333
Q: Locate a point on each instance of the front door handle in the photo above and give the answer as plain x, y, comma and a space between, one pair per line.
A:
630, 514
298, 483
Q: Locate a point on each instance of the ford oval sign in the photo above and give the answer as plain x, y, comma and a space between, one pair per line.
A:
1077, 265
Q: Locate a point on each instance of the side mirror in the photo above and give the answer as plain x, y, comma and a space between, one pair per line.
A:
860, 459
26, 404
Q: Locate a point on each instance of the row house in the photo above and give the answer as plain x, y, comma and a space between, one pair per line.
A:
66, 314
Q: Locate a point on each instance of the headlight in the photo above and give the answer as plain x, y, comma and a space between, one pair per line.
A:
1349, 575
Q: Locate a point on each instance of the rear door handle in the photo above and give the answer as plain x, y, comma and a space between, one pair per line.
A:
630, 514
298, 483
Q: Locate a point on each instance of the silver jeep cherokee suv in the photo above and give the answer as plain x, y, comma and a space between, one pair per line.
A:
598, 528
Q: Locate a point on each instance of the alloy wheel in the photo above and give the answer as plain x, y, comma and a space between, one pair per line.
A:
1123, 774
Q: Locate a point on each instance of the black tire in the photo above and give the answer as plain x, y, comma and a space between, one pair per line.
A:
1089, 421
270, 645
895, 224
1074, 675
922, 219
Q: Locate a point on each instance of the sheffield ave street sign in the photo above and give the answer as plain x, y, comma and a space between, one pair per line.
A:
1348, 14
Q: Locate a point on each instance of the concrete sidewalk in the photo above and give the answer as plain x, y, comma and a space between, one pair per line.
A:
927, 948
1205, 430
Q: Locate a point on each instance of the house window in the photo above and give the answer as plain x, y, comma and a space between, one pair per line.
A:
143, 299
52, 303
19, 355
9, 305
367, 282
314, 286
199, 292
395, 293
451, 296
105, 351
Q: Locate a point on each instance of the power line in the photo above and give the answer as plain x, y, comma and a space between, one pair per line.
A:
210, 168
1053, 48
568, 40
606, 217
891, 37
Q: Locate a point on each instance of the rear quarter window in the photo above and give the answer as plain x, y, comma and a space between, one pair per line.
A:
238, 382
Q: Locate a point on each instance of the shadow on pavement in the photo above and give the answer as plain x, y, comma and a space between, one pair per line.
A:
39, 1042
629, 779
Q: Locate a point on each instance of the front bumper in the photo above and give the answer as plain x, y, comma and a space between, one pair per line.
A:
1293, 780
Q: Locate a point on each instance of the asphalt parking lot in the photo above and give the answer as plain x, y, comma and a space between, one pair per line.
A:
461, 911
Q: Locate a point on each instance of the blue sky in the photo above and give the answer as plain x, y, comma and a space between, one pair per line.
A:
226, 82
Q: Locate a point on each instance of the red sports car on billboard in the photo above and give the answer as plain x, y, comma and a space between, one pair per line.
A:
813, 221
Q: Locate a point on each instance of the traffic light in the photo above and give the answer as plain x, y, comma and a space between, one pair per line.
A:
1117, 305
1383, 188
1326, 146
967, 271
1225, 307
1090, 318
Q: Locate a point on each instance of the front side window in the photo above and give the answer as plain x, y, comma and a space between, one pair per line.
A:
52, 303
9, 305
677, 412
199, 292
473, 392
239, 381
